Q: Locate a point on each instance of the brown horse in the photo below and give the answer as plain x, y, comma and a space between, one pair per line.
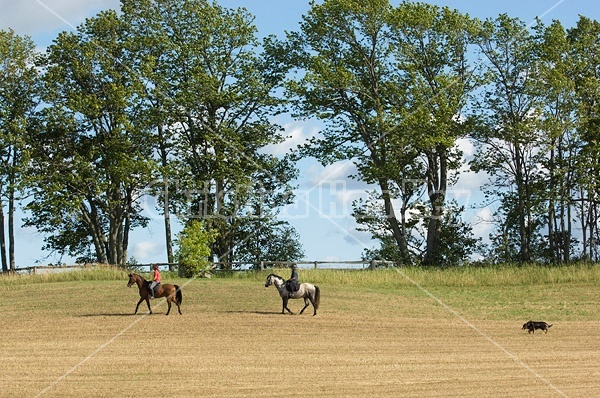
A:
171, 292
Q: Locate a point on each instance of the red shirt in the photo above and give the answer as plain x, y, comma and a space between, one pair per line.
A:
156, 276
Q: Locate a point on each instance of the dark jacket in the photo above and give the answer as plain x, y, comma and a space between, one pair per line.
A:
292, 284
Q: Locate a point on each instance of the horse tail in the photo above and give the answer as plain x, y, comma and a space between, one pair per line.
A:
317, 297
178, 295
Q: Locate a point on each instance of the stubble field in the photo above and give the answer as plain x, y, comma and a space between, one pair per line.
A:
388, 339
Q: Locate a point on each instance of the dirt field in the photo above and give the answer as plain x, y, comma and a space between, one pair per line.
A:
80, 339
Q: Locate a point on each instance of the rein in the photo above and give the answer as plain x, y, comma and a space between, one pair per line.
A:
138, 279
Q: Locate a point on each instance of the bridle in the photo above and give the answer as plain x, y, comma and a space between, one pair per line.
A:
131, 280
270, 279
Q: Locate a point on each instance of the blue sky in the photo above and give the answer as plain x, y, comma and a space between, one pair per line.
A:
322, 212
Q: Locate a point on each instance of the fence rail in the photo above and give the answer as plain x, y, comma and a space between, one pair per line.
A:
228, 266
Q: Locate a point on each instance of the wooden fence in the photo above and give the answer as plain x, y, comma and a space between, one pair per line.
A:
229, 266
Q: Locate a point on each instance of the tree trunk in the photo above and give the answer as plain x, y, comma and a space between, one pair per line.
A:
567, 237
397, 231
125, 241
168, 233
3, 240
113, 238
100, 245
11, 227
593, 232
522, 208
434, 233
552, 233
437, 180
166, 211
583, 222
217, 220
590, 224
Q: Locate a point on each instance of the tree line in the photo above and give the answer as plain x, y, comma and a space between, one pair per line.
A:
174, 101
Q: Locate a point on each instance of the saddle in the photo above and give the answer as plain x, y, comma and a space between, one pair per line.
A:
153, 288
292, 286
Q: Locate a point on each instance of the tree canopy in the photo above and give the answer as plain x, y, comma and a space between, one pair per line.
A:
177, 101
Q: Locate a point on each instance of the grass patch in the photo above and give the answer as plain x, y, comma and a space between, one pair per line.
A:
385, 279
376, 334
96, 273
498, 293
449, 277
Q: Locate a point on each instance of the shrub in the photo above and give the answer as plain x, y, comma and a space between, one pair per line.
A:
194, 249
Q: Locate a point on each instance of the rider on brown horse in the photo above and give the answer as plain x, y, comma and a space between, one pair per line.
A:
155, 280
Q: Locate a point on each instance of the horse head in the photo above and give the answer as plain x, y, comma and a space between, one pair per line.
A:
135, 279
131, 280
273, 279
269, 281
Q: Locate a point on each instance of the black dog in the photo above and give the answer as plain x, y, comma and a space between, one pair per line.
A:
531, 326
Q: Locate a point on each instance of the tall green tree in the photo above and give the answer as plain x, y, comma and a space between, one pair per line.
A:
561, 144
278, 241
584, 71
351, 81
92, 154
432, 46
390, 84
510, 141
216, 95
147, 39
19, 96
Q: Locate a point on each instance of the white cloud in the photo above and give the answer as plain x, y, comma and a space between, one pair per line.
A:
466, 146
482, 223
146, 250
326, 192
359, 238
296, 133
337, 172
43, 17
467, 190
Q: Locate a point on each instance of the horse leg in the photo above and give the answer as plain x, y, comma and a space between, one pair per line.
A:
178, 298
312, 301
148, 303
138, 305
285, 307
169, 304
305, 305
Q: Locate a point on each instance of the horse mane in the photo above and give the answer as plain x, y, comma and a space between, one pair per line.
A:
141, 277
276, 276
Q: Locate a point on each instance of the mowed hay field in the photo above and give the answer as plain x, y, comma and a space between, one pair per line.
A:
377, 334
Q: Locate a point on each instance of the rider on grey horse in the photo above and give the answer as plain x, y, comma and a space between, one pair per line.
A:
310, 293
292, 285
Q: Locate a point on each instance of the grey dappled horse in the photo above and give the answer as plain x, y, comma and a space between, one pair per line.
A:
307, 291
